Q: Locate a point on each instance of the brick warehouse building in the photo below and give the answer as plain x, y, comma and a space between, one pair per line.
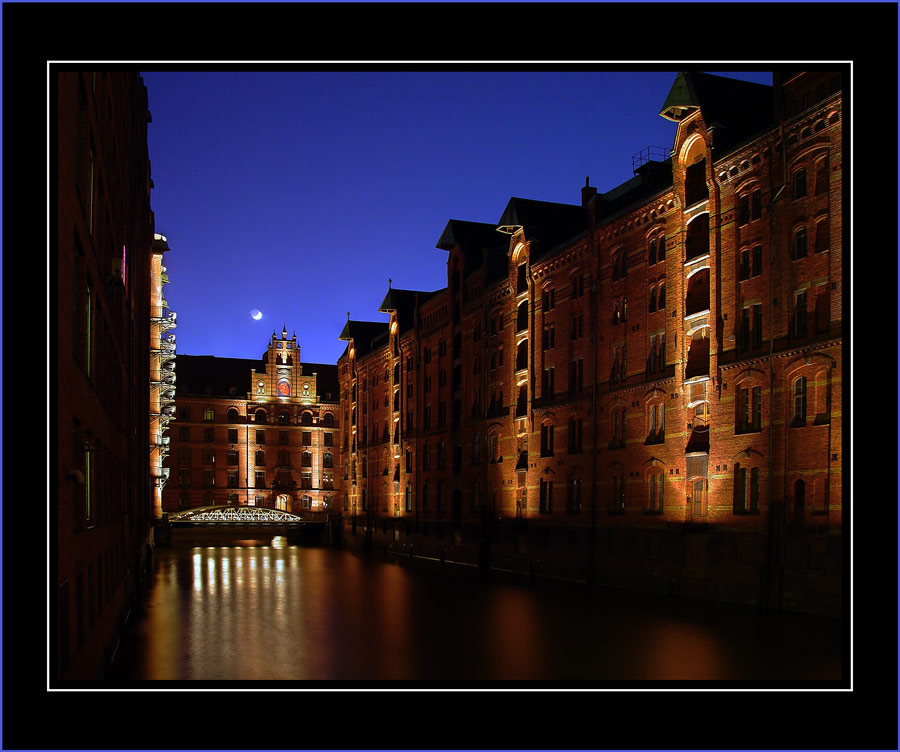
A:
105, 251
643, 390
255, 432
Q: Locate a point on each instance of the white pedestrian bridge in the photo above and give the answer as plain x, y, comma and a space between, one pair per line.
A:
235, 515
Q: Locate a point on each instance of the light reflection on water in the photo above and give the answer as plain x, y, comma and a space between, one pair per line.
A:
269, 610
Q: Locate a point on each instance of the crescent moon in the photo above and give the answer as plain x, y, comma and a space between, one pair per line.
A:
256, 314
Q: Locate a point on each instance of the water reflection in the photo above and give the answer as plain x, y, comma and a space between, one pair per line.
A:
270, 610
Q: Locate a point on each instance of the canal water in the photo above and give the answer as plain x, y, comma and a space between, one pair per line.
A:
266, 610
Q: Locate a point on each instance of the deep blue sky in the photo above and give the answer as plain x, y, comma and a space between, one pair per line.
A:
301, 193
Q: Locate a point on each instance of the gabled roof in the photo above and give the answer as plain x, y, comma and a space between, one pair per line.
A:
404, 302
482, 244
546, 224
741, 108
470, 234
363, 333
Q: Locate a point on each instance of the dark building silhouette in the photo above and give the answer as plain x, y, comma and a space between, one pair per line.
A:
102, 520
642, 389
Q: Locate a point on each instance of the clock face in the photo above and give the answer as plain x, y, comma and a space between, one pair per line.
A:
284, 388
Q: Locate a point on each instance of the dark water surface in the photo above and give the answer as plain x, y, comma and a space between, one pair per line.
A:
265, 610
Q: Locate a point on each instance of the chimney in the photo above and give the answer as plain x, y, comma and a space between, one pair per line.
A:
587, 193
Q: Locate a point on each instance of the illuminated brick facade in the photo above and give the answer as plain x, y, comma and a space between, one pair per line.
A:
644, 388
255, 432
162, 373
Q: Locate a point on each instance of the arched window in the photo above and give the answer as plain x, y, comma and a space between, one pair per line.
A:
656, 421
522, 355
546, 439
522, 316
697, 298
655, 484
698, 354
696, 243
746, 489
306, 419
798, 243
656, 353
546, 496
749, 406
328, 420
260, 416
232, 415
573, 495
548, 298
798, 390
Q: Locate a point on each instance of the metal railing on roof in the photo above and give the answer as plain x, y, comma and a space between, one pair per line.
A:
648, 154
